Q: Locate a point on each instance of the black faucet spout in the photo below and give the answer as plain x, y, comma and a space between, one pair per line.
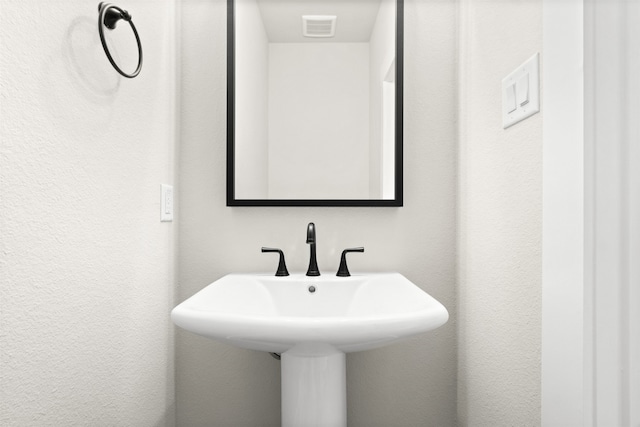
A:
311, 240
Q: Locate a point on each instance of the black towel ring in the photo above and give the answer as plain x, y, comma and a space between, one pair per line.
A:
109, 16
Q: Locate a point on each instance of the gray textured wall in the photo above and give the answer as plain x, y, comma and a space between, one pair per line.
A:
500, 222
87, 270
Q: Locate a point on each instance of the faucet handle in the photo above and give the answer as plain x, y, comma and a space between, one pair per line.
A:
343, 271
282, 266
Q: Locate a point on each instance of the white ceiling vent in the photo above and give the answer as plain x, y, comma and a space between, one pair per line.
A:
319, 25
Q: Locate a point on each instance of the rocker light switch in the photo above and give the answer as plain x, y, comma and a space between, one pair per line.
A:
522, 88
510, 98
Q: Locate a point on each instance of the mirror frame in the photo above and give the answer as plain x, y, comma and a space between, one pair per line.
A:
398, 195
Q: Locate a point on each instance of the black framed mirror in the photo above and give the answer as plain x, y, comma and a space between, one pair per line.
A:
314, 102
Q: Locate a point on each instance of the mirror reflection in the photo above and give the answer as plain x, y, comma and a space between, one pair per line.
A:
315, 101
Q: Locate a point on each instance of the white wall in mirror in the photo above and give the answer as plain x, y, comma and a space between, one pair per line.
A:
382, 110
309, 112
324, 145
251, 96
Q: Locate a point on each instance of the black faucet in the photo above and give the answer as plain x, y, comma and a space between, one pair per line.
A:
282, 265
311, 240
343, 270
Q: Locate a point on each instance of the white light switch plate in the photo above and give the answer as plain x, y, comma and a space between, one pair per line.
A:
526, 79
166, 203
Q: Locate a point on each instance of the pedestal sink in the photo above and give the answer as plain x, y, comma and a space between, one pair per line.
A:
312, 322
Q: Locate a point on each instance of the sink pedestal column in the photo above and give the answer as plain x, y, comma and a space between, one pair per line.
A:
314, 386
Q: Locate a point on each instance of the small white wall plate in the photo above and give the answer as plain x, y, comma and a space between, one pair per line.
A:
166, 203
526, 81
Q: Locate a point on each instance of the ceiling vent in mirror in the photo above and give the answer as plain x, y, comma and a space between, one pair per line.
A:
319, 25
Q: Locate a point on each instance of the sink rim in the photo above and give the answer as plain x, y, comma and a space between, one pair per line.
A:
280, 332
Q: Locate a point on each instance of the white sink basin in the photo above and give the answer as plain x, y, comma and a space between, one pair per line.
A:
312, 330
269, 313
